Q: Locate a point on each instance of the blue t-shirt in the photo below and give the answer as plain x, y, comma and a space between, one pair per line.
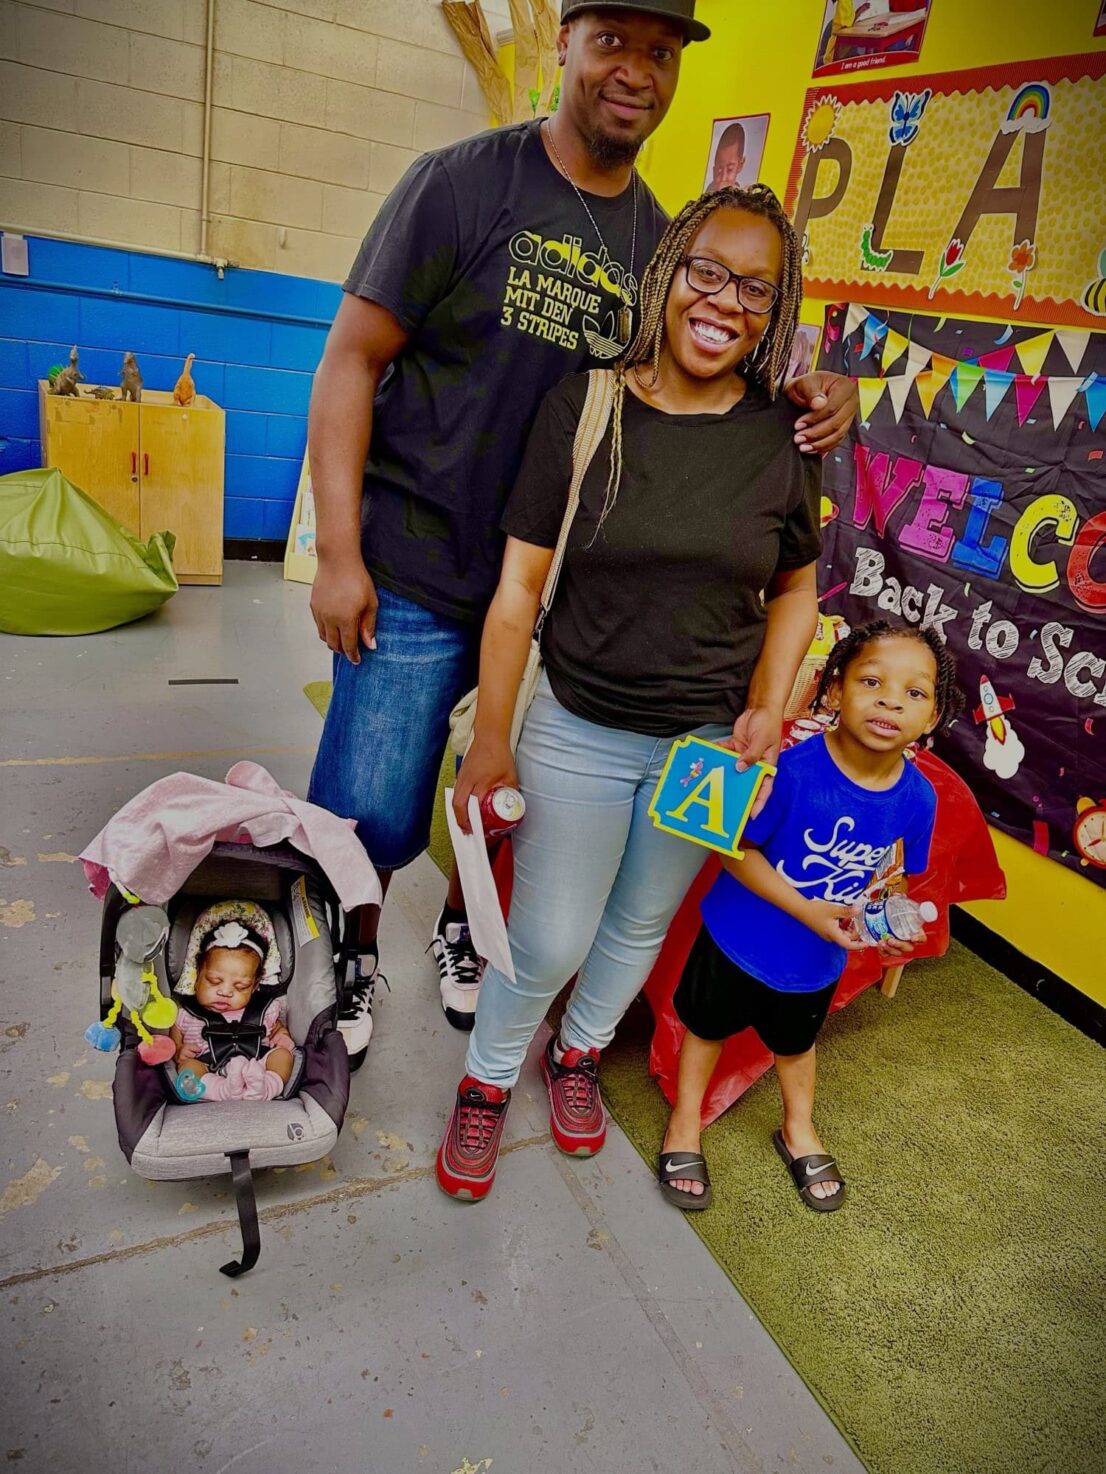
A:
827, 837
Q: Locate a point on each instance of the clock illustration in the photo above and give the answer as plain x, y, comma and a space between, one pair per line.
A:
1089, 832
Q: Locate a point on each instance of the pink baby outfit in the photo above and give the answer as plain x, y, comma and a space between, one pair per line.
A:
240, 1078
194, 1045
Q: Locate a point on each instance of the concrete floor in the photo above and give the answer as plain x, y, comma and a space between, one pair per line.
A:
571, 1322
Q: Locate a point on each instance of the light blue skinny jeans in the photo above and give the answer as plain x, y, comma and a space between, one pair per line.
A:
596, 886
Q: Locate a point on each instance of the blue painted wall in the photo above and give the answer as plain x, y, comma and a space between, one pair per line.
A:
257, 337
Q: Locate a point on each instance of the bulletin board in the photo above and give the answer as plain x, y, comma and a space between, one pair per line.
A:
977, 192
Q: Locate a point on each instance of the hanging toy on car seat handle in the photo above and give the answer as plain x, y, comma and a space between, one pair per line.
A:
141, 935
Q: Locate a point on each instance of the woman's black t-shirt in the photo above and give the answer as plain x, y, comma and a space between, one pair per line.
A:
659, 619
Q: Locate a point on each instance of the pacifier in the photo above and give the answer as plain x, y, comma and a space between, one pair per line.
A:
188, 1085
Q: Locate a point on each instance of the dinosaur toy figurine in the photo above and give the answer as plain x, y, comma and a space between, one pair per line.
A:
66, 382
131, 380
101, 391
184, 391
141, 935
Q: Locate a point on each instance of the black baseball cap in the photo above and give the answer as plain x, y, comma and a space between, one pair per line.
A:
680, 11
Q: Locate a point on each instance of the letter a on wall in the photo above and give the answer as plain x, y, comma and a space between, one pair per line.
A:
977, 192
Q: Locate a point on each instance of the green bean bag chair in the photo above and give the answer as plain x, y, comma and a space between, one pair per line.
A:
67, 567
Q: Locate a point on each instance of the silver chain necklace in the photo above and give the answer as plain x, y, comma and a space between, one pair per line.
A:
625, 313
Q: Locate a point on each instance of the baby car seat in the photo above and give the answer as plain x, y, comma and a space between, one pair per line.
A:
165, 1139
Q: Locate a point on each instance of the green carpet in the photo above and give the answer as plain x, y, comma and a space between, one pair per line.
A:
951, 1317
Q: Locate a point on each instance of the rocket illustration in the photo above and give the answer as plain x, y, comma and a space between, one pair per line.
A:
991, 707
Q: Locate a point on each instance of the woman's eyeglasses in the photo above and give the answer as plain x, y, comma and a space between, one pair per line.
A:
711, 277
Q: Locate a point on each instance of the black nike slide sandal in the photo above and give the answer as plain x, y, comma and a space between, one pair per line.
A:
806, 1171
692, 1168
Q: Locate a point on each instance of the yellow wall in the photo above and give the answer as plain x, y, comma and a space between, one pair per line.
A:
759, 61
1051, 914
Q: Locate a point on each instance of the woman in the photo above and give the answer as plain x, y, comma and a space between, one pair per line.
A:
658, 629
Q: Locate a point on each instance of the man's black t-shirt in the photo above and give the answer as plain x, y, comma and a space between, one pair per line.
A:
487, 258
658, 620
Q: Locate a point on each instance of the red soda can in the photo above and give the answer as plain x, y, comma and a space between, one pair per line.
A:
501, 810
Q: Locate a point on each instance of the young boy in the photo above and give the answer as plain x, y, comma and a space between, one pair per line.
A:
778, 924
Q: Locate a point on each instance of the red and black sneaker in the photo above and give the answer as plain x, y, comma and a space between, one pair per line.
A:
470, 1146
576, 1115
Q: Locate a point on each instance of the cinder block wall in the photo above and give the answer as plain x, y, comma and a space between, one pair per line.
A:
319, 106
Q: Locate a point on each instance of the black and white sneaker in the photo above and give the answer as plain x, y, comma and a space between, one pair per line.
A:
355, 1020
460, 970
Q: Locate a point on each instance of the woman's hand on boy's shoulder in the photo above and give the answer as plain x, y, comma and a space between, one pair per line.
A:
832, 402
756, 737
488, 764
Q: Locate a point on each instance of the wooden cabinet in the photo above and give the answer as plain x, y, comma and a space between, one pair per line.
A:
155, 466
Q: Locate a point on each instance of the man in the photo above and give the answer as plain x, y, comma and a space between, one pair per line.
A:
729, 157
496, 267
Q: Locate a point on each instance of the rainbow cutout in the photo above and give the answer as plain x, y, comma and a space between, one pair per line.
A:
1030, 108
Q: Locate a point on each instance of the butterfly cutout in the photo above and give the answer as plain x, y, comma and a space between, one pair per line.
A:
906, 115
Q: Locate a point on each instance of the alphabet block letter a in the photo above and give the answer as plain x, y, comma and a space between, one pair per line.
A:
703, 798
713, 786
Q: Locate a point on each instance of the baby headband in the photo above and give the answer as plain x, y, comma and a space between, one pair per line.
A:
232, 934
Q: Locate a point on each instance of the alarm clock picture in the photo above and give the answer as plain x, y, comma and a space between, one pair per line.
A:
1089, 832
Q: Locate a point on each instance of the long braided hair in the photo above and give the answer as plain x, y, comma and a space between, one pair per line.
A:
767, 362
949, 698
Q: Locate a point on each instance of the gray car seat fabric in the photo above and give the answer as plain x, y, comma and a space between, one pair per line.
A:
182, 1140
196, 1141
167, 1140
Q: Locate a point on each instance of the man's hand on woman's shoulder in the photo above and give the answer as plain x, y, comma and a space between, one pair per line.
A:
832, 401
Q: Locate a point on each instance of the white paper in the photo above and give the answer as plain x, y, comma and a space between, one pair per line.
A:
13, 254
489, 932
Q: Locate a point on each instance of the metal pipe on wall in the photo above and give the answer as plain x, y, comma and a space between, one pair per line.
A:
205, 185
203, 255
73, 238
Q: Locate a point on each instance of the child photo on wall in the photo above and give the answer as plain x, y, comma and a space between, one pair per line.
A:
858, 35
736, 151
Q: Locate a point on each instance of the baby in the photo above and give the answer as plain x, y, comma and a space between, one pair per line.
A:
230, 1043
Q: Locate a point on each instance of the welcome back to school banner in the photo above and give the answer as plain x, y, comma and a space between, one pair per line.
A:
971, 496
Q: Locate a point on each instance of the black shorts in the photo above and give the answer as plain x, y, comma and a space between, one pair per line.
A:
715, 998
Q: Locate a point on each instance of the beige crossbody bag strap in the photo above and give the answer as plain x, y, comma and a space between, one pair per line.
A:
590, 431
594, 420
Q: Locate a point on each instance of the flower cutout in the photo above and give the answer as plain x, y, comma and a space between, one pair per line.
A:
1023, 258
951, 262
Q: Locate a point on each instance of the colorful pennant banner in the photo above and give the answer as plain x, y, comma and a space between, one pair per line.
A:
996, 369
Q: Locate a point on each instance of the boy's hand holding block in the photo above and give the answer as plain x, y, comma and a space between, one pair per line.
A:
703, 797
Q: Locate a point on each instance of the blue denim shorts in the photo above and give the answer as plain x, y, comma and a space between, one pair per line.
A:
387, 726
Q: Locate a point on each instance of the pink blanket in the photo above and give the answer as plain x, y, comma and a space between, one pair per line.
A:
153, 844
